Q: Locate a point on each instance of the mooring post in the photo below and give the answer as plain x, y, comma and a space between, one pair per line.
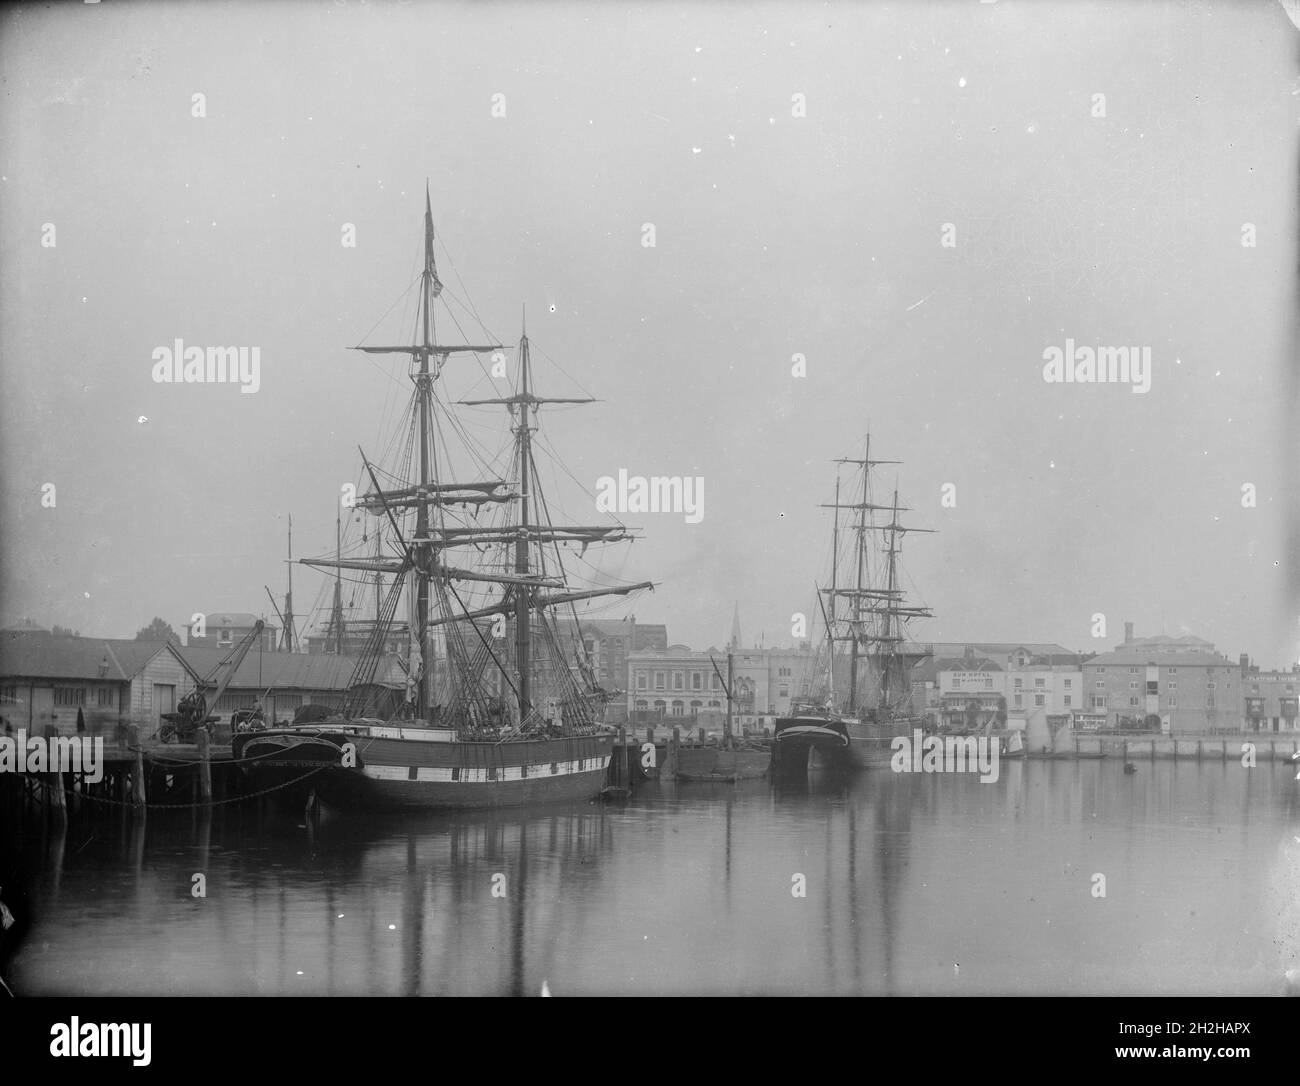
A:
700, 737
205, 765
669, 770
54, 779
624, 775
138, 798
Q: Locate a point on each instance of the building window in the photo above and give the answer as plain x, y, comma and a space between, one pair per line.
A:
1209, 686
783, 692
988, 682
1099, 701
1173, 671
641, 681
1101, 671
1133, 684
1018, 699
1040, 699
1132, 671
1173, 702
67, 696
105, 698
642, 704
678, 709
1067, 701
1100, 685
1068, 684
659, 680
1040, 682
1018, 684
1173, 686
1132, 701
679, 682
223, 638
697, 681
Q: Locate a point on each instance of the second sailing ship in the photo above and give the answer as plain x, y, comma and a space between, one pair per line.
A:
863, 699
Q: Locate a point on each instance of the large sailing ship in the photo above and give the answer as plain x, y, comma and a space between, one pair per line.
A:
861, 700
500, 703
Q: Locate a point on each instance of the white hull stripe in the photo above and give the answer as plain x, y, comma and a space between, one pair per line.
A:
479, 774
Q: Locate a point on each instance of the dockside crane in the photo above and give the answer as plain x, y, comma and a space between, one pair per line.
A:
192, 711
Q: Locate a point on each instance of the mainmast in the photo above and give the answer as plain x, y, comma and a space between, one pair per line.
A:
523, 623
286, 641
336, 615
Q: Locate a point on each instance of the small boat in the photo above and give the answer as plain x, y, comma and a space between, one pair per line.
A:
734, 760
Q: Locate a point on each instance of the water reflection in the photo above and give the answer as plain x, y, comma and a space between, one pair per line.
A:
914, 884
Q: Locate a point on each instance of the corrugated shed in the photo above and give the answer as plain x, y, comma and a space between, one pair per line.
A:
279, 670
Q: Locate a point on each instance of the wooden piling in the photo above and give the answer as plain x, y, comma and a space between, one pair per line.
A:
205, 765
624, 775
138, 798
669, 770
700, 737
57, 800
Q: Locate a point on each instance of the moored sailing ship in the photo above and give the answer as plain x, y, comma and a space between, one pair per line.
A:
501, 706
852, 718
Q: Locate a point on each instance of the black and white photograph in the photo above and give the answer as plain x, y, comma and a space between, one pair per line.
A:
575, 499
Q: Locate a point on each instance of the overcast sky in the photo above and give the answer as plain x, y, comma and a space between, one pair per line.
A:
775, 234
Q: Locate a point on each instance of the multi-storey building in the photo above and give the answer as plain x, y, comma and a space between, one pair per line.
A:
1164, 683
679, 682
225, 629
1270, 698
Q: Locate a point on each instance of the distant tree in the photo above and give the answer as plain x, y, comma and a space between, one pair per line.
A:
64, 631
158, 630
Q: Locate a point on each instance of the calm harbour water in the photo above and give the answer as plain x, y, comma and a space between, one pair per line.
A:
915, 884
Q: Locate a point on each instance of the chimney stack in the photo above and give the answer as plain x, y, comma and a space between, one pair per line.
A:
1128, 632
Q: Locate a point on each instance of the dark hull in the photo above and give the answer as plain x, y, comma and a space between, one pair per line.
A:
833, 742
408, 771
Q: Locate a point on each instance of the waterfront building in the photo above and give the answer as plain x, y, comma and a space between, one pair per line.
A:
1270, 698
45, 679
678, 682
282, 682
1006, 654
1164, 683
607, 644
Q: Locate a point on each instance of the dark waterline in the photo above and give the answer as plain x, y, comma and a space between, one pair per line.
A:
915, 884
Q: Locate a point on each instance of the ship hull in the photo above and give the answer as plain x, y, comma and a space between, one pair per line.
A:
417, 769
843, 743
